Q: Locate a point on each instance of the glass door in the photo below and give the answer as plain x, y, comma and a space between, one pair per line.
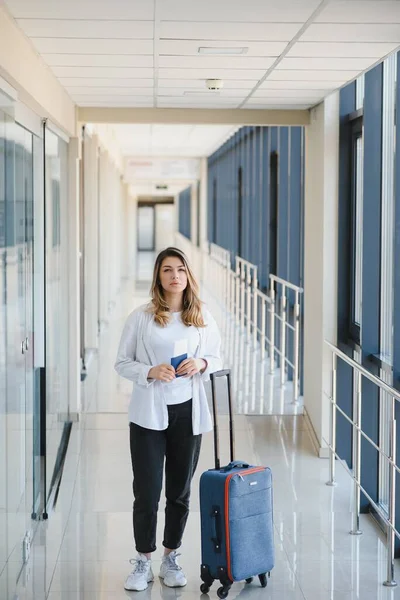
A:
17, 314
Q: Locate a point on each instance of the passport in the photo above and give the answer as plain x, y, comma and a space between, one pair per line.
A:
176, 361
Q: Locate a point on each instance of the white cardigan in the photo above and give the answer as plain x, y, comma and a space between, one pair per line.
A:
135, 358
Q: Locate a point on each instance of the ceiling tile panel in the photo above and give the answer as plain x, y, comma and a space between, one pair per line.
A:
361, 11
99, 60
283, 100
107, 91
335, 76
325, 64
215, 62
340, 50
110, 72
323, 32
191, 47
82, 9
281, 32
106, 82
140, 30
201, 92
290, 94
181, 140
95, 46
290, 11
215, 73
278, 106
297, 85
177, 104
245, 84
120, 103
109, 100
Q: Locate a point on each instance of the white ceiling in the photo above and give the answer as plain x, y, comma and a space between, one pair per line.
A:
187, 141
144, 53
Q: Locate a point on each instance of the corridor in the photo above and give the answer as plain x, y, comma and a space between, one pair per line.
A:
82, 552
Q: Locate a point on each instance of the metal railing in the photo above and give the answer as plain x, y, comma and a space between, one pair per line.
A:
284, 290
263, 317
359, 372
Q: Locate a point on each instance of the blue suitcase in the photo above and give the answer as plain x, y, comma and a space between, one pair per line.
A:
236, 516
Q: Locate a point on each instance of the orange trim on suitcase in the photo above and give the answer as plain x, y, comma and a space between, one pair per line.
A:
227, 531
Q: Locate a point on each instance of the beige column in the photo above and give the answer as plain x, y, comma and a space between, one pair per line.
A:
320, 261
91, 224
74, 364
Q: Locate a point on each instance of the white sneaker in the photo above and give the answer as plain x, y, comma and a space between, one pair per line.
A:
141, 575
171, 572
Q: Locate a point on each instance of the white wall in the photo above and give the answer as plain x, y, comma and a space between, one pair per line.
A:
37, 87
165, 225
320, 261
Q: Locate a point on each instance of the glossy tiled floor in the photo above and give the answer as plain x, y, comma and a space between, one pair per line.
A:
83, 551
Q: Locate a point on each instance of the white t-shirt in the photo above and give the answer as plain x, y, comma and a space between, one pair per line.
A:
174, 340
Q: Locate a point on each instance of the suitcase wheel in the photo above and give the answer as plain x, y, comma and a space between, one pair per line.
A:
249, 580
223, 591
263, 579
204, 588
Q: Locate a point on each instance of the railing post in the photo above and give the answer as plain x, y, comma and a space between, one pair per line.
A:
237, 292
263, 328
283, 334
390, 581
272, 329
296, 350
242, 293
248, 301
332, 449
357, 454
255, 308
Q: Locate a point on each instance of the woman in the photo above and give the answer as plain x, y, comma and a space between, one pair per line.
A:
168, 411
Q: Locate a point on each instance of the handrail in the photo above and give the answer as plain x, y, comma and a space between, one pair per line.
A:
260, 315
358, 373
287, 284
377, 380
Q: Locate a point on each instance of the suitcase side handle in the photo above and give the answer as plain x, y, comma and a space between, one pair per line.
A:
223, 373
217, 529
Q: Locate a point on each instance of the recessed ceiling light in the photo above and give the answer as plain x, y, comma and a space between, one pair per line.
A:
222, 51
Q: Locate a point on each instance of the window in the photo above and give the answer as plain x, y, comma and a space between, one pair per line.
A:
273, 214
356, 229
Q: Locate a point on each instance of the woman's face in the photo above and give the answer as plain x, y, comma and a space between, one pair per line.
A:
173, 275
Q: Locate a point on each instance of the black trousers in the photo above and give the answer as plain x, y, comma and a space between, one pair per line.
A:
180, 449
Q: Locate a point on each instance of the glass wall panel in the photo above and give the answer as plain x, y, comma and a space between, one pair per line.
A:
16, 341
56, 299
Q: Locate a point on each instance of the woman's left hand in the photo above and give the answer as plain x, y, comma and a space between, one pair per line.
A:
191, 366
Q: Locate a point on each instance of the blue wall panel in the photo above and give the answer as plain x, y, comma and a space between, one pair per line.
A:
250, 150
185, 212
344, 377
370, 326
295, 205
264, 217
283, 196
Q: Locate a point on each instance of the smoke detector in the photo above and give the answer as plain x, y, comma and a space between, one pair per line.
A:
214, 84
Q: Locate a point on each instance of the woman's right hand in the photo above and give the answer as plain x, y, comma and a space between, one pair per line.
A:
162, 372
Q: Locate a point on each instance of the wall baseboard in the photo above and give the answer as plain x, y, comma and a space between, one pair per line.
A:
322, 452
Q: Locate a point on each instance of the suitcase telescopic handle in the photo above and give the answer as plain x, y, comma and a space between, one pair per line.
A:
223, 373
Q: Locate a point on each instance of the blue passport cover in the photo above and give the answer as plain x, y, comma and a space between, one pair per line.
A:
176, 361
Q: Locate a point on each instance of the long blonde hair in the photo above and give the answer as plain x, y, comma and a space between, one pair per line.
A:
191, 311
